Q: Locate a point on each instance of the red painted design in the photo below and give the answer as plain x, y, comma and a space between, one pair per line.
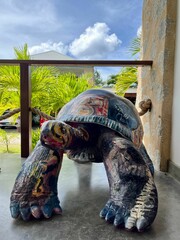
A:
93, 105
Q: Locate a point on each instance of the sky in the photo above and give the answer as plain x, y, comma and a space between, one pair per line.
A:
81, 29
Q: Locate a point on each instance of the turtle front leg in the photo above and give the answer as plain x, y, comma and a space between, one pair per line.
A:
133, 198
35, 189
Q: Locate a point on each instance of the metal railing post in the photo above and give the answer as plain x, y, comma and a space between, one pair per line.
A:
26, 117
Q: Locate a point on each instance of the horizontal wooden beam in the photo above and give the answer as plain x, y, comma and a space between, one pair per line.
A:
102, 63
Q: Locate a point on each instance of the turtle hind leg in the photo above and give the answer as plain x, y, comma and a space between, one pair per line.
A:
144, 211
133, 196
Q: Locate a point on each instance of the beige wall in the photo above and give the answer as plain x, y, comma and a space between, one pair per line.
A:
156, 83
53, 55
175, 143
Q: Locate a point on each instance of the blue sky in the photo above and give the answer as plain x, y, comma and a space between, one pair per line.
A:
82, 29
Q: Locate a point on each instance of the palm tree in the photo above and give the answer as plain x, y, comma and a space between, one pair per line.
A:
128, 75
69, 87
50, 89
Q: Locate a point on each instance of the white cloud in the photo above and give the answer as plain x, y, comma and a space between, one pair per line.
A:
47, 46
95, 43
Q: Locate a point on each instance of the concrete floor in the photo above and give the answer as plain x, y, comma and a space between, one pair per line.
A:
83, 191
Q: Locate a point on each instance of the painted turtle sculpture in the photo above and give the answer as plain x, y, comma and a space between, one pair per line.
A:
96, 126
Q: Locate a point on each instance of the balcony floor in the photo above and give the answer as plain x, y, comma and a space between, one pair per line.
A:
83, 191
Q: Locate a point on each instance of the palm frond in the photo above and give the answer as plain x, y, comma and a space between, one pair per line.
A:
125, 79
21, 53
135, 46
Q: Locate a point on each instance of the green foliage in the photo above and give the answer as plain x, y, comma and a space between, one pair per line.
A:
43, 80
9, 87
67, 87
97, 79
128, 75
5, 139
50, 89
22, 52
10, 82
135, 46
35, 137
112, 80
125, 79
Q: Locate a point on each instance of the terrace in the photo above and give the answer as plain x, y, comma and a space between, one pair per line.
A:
83, 189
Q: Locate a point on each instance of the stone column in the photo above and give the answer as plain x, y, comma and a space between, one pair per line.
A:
156, 83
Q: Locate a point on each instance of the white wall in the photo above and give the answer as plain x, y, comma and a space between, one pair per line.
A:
175, 143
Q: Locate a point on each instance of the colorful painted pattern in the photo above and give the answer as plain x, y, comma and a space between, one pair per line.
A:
96, 126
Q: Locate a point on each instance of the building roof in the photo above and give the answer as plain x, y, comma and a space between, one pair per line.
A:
50, 55
53, 55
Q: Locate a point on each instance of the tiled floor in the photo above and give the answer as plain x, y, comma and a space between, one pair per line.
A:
83, 191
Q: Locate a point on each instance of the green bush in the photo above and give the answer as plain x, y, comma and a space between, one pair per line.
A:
35, 137
5, 139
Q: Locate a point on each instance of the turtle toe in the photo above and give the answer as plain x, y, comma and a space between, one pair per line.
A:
14, 209
110, 216
25, 213
142, 223
105, 210
121, 216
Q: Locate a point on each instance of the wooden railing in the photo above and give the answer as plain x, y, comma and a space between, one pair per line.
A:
25, 86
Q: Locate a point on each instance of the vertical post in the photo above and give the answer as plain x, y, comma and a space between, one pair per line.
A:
26, 118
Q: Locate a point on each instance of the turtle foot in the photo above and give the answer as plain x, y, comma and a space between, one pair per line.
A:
115, 214
138, 216
36, 207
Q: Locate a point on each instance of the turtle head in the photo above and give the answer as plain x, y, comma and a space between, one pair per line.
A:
56, 134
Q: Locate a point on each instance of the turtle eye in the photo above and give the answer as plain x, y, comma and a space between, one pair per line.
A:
58, 136
63, 130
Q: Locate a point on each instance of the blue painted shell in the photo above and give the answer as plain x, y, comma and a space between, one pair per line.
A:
107, 109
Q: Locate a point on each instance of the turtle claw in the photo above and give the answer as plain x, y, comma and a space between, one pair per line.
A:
25, 213
105, 210
47, 211
36, 212
141, 224
14, 209
51, 206
114, 214
122, 215
111, 214
17, 211
57, 210
44, 208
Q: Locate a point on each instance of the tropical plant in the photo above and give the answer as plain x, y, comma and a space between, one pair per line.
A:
22, 52
112, 79
50, 89
97, 79
35, 137
135, 46
69, 86
128, 75
6, 139
125, 79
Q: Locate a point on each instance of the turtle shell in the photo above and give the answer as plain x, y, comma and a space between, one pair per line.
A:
106, 109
